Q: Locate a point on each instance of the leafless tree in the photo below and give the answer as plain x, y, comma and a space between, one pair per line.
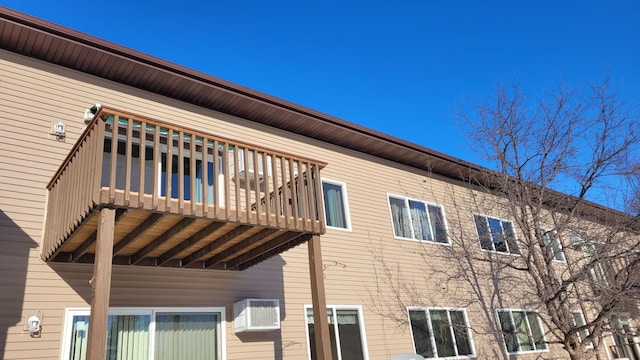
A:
562, 169
552, 156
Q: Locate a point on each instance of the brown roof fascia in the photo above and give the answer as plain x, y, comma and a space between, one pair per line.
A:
362, 139
72, 35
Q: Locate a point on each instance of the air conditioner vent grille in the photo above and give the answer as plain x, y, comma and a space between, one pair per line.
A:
256, 315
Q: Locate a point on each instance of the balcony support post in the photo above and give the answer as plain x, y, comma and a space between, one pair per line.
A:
101, 285
321, 323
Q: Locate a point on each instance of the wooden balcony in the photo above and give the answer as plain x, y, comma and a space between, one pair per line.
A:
183, 198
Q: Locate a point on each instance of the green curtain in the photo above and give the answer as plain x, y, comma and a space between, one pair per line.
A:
128, 337
79, 331
186, 336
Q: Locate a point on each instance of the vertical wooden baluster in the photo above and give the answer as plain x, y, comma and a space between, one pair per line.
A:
85, 176
285, 191
215, 153
205, 175
72, 207
156, 167
256, 188
294, 194
302, 196
169, 173
114, 159
181, 159
227, 175
266, 183
99, 159
88, 170
276, 191
193, 173
319, 196
127, 171
247, 185
142, 154
310, 192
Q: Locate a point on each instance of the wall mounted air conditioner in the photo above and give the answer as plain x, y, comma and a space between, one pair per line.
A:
256, 315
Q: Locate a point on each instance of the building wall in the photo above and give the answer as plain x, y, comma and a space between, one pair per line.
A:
362, 265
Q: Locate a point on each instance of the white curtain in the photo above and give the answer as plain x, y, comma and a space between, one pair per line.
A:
420, 220
334, 205
400, 216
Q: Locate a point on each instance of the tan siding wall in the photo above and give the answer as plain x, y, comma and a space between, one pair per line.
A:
35, 94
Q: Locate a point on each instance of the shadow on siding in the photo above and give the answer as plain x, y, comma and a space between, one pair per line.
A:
169, 287
16, 246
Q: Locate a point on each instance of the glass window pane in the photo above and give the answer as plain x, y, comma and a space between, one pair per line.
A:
400, 216
187, 336
536, 331
483, 232
312, 334
79, 330
510, 237
437, 223
128, 337
334, 205
508, 331
496, 235
349, 334
420, 220
421, 334
557, 250
442, 333
578, 320
461, 332
523, 334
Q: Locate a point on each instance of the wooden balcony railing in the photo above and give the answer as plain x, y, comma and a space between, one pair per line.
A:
131, 162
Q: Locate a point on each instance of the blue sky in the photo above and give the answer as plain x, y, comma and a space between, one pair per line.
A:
399, 67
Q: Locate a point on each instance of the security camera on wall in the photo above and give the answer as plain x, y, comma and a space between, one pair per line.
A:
91, 112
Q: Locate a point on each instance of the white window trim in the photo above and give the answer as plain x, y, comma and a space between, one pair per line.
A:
345, 199
432, 338
70, 312
427, 203
557, 238
540, 324
363, 333
515, 234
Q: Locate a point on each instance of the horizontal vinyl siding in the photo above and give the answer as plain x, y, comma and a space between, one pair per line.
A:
34, 94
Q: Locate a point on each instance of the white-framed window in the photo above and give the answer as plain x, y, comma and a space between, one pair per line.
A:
496, 234
522, 330
577, 318
555, 249
150, 333
346, 332
440, 332
336, 206
417, 220
597, 269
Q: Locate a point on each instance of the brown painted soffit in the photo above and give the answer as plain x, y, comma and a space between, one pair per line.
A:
46, 41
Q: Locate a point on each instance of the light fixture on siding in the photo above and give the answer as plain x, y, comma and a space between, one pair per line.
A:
58, 130
34, 324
